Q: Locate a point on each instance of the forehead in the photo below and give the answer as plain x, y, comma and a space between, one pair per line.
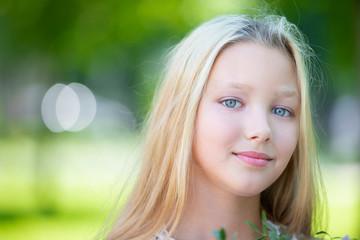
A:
251, 66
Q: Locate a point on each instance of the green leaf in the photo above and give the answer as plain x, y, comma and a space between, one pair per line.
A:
263, 215
223, 234
216, 234
233, 236
282, 230
323, 233
261, 238
283, 235
273, 235
253, 227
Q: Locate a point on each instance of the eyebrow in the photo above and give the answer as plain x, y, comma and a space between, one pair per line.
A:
283, 91
288, 92
240, 86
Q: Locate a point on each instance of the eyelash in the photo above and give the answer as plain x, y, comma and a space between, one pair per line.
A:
238, 104
287, 112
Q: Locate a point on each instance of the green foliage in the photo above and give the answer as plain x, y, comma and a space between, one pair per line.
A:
270, 232
327, 236
221, 234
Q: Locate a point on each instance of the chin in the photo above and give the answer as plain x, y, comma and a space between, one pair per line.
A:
248, 189
248, 193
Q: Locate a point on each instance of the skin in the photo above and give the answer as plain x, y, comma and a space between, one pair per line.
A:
251, 103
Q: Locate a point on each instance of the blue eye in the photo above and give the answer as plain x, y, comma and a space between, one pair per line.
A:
231, 103
282, 112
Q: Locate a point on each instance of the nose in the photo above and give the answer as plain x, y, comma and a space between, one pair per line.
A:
258, 128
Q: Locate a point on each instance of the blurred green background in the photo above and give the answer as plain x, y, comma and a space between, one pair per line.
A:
62, 185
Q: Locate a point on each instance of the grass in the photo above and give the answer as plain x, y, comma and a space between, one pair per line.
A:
342, 184
48, 227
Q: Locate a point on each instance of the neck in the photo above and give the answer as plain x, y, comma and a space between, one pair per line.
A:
211, 208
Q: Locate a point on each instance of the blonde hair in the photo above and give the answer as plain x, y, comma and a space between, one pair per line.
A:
161, 190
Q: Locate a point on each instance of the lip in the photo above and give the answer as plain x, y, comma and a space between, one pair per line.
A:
253, 158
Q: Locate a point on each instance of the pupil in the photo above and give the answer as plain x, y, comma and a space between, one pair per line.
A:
230, 103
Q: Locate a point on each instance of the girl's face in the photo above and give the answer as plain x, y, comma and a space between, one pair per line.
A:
247, 124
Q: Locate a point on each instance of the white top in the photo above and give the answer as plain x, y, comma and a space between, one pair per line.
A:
162, 233
161, 236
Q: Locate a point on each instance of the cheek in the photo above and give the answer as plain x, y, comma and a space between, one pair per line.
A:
286, 140
214, 132
213, 125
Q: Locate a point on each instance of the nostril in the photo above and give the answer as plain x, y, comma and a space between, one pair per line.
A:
258, 128
260, 138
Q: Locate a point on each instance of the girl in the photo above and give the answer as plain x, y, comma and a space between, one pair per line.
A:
229, 135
